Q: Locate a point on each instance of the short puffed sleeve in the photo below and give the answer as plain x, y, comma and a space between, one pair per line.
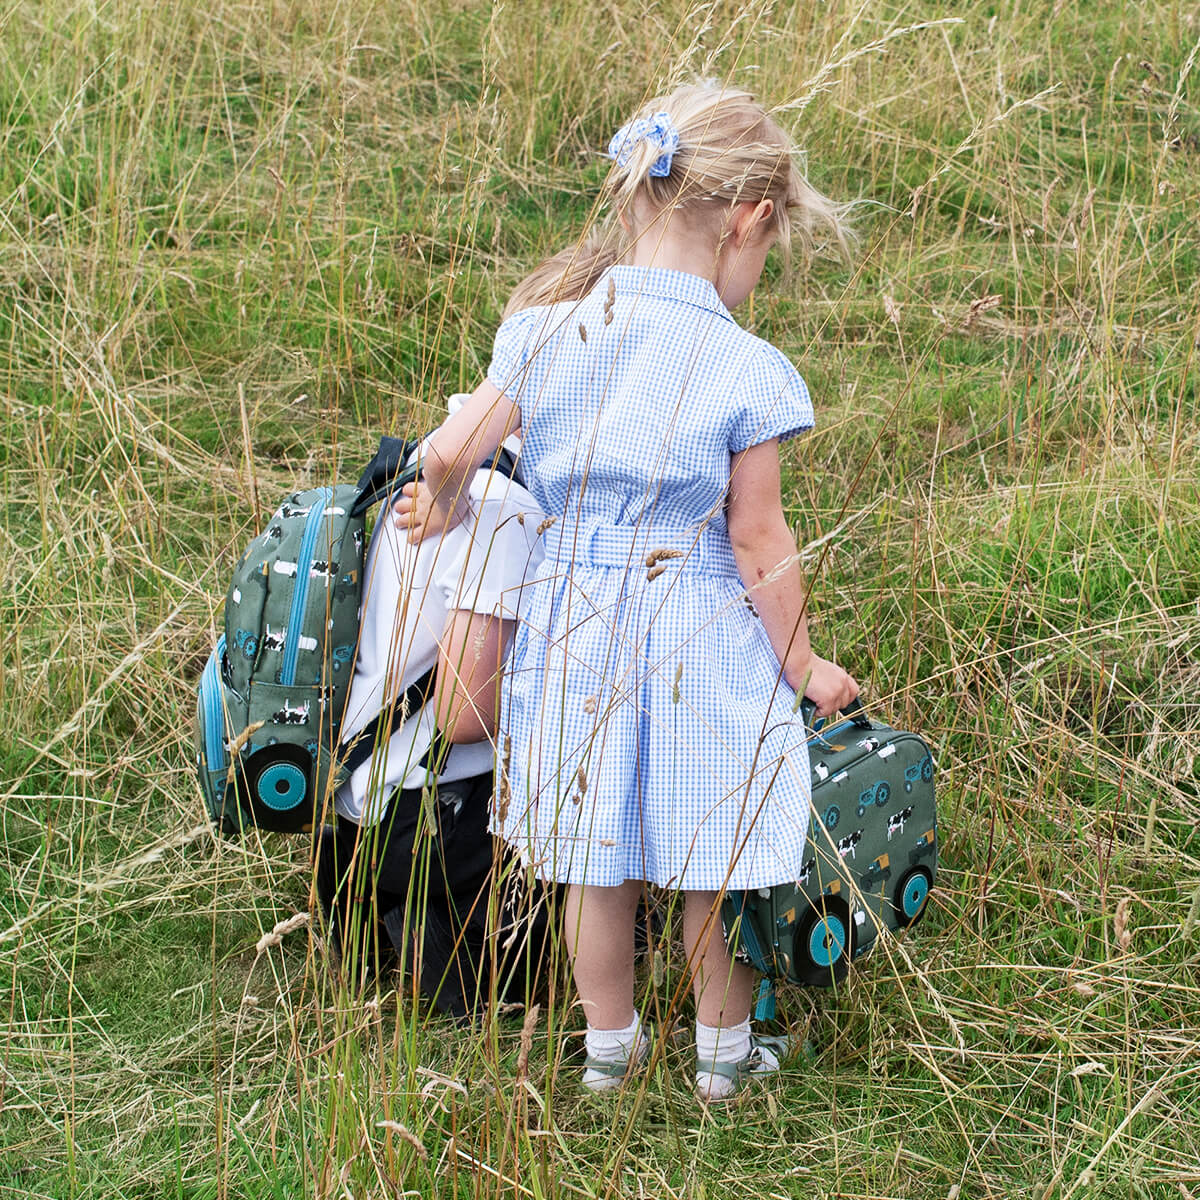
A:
490, 569
772, 401
511, 352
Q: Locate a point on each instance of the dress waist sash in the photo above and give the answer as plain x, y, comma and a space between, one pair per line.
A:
694, 549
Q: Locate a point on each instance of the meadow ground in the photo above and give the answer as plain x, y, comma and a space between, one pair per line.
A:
240, 239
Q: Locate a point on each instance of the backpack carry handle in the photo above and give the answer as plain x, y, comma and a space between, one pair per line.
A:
854, 710
390, 470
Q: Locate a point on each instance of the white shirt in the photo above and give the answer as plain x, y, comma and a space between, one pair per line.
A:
409, 593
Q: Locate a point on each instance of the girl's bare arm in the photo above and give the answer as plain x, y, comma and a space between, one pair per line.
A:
453, 455
768, 564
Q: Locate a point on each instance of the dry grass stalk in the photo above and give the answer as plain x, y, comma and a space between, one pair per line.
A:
280, 930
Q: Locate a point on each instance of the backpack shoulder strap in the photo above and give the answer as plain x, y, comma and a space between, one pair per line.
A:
414, 698
389, 471
503, 462
386, 473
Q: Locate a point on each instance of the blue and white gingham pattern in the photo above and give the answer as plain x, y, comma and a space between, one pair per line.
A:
646, 731
659, 130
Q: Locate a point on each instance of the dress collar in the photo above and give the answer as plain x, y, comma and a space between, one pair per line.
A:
673, 285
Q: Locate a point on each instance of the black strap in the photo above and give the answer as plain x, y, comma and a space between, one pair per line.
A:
390, 470
854, 710
386, 473
503, 462
415, 697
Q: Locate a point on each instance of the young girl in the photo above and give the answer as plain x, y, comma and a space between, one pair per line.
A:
649, 731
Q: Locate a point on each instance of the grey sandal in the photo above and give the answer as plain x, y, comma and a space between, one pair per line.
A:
740, 1073
618, 1070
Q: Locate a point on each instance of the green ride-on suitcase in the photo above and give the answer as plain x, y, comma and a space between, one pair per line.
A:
870, 860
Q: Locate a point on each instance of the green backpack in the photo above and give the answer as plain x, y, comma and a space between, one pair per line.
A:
869, 866
272, 694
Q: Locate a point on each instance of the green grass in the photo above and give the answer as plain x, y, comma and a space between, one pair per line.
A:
310, 213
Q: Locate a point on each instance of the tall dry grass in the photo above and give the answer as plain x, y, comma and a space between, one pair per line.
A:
239, 240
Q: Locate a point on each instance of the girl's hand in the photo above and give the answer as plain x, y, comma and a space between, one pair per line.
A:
414, 509
828, 686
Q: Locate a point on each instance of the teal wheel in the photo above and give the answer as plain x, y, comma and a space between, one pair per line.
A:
883, 793
827, 941
275, 787
824, 943
911, 895
833, 815
283, 786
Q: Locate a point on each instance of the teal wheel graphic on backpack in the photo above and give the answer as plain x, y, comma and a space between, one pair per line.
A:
922, 770
824, 943
832, 816
275, 784
246, 642
911, 895
877, 794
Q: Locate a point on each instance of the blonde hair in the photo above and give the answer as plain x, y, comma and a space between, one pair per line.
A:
730, 151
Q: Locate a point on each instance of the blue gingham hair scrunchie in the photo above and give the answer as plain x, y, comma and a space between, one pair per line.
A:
658, 130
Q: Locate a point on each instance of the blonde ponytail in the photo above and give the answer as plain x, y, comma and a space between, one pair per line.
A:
729, 151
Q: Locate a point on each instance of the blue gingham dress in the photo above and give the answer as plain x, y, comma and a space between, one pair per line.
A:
646, 730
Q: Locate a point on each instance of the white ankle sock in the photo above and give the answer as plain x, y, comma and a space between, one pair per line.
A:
618, 1046
727, 1044
723, 1043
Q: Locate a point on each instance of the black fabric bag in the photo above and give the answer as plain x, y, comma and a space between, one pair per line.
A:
433, 889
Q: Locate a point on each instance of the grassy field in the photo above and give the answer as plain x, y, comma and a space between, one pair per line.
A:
240, 240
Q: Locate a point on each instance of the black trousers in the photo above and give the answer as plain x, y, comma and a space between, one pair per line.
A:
430, 884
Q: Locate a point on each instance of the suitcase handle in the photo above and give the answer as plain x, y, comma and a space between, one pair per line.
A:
854, 710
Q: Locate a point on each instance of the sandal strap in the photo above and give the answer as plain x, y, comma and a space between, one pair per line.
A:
736, 1071
609, 1068
619, 1068
741, 1070
781, 1047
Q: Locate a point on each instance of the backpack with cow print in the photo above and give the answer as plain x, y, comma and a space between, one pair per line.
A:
869, 866
272, 693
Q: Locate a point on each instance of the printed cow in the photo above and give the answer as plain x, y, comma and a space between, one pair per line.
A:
896, 821
291, 714
847, 844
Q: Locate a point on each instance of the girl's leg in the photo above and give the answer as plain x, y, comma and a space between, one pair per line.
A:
725, 1051
598, 926
722, 987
